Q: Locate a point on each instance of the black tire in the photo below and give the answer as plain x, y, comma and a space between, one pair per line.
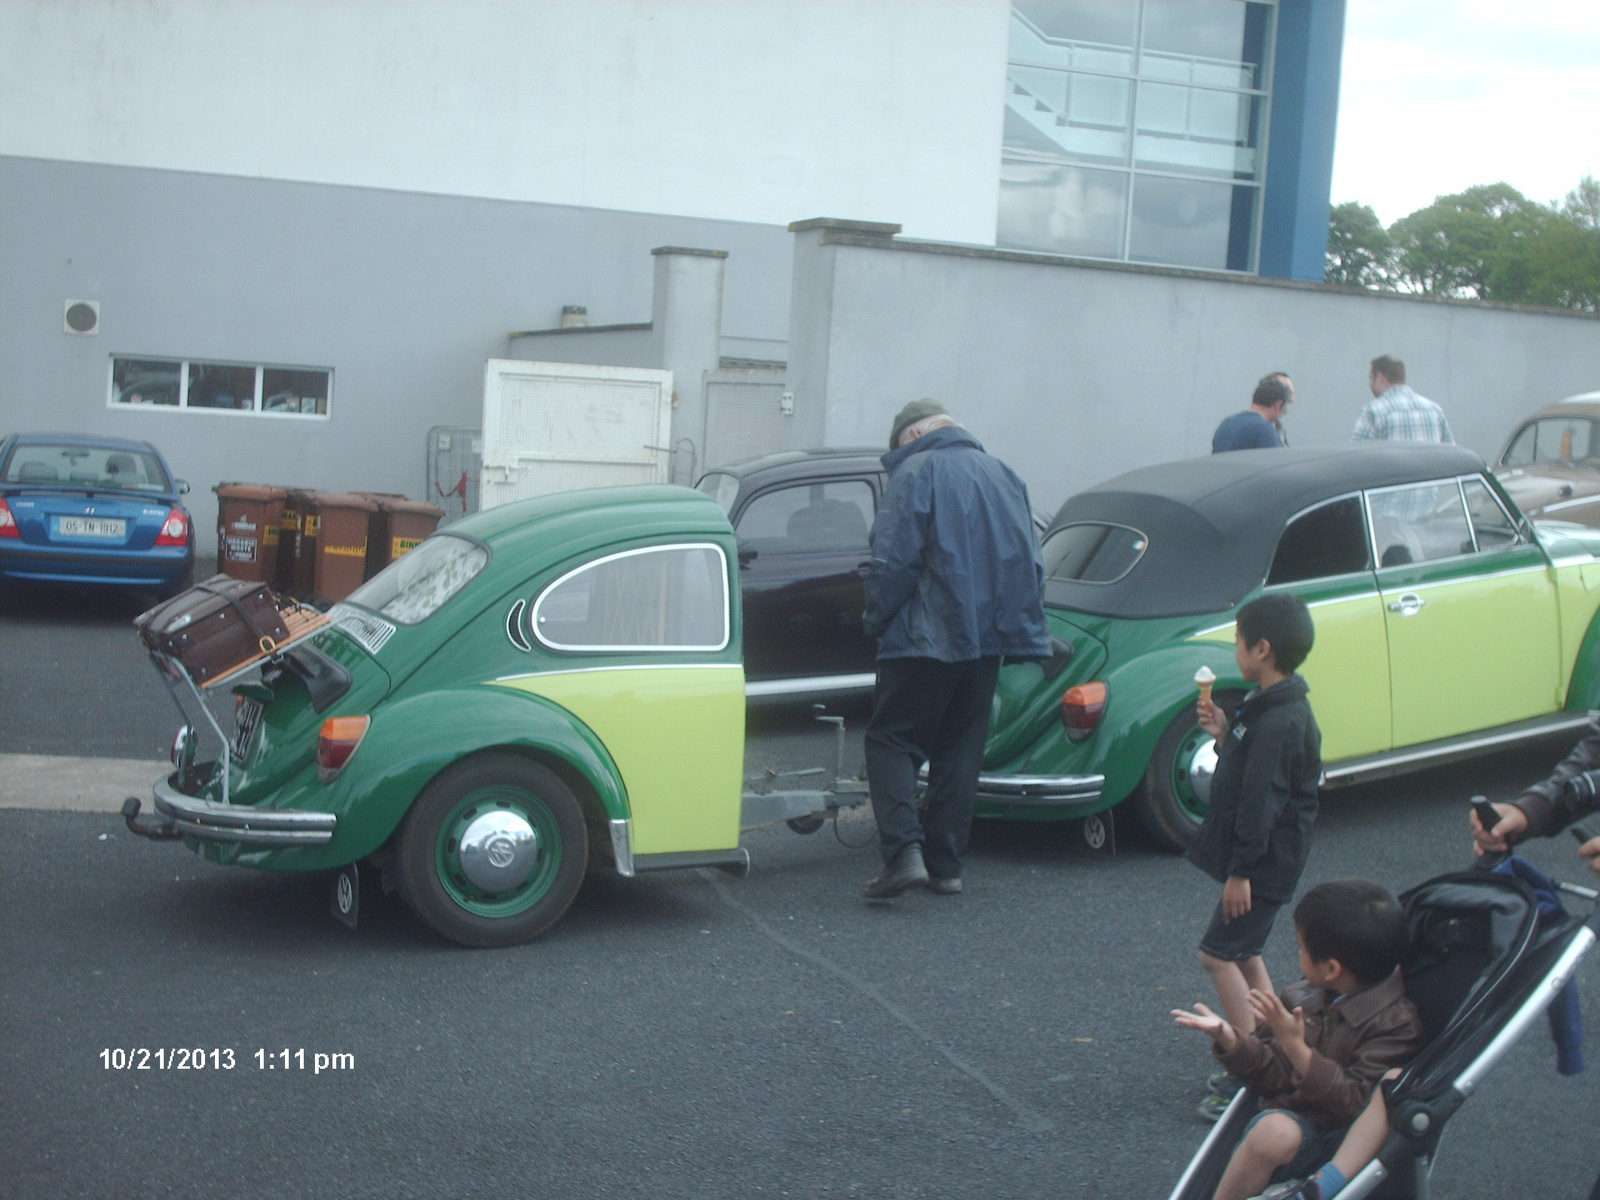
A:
428, 869
809, 823
1169, 811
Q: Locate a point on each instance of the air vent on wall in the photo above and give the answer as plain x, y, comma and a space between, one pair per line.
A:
82, 316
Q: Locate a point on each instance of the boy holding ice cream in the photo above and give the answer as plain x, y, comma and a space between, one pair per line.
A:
1257, 835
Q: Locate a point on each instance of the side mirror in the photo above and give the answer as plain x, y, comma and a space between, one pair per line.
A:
183, 487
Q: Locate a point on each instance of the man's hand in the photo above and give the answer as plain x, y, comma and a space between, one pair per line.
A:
1208, 1023
1212, 719
1235, 897
1512, 824
1288, 1027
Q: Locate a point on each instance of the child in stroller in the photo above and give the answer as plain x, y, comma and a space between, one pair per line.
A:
1317, 1052
1480, 968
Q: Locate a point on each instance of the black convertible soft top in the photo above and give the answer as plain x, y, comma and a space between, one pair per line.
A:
1213, 523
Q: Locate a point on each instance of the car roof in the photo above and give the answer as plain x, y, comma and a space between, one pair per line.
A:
1584, 403
80, 439
1213, 523
802, 462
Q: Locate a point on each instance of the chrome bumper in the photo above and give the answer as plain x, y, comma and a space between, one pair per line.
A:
238, 823
1041, 790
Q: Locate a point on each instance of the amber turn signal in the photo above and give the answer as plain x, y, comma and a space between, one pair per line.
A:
336, 742
1081, 709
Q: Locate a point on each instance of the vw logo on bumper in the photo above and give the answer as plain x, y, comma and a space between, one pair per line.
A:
498, 851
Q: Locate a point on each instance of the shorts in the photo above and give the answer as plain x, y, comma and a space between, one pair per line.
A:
1243, 937
1316, 1148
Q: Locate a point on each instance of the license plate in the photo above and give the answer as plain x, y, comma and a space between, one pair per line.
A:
95, 527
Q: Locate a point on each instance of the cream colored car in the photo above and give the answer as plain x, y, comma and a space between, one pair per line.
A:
1551, 465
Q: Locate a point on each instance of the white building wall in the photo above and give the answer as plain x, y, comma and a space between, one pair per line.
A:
749, 110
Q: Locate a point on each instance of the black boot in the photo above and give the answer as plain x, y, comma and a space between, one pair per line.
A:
903, 874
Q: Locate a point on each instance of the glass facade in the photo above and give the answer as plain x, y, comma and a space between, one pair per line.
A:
1137, 130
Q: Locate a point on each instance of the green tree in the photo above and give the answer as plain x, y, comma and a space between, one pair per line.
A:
1360, 252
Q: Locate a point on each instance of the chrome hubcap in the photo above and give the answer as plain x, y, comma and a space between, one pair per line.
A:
498, 850
1201, 768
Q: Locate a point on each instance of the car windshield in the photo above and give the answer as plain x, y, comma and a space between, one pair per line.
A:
1092, 553
1567, 441
86, 466
411, 589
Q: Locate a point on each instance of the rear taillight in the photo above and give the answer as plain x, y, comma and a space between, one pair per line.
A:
1081, 709
337, 742
175, 530
8, 523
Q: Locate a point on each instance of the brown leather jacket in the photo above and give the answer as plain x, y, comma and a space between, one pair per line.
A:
1353, 1043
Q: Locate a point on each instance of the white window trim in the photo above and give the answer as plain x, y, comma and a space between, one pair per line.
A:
182, 406
727, 615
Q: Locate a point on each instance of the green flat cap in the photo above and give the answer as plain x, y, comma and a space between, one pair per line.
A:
917, 410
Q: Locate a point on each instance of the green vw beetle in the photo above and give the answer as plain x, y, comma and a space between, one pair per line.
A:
543, 685
1447, 625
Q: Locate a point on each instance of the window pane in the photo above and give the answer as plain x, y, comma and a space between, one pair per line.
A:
411, 589
1520, 452
144, 381
809, 518
1419, 524
1061, 210
1097, 24
1331, 540
1055, 113
1188, 223
94, 466
674, 597
294, 391
722, 488
1555, 440
215, 386
1489, 520
1210, 41
1196, 130
1092, 553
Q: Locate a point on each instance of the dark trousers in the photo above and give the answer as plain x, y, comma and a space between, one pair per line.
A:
936, 712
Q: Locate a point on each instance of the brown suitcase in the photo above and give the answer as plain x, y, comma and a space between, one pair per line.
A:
214, 625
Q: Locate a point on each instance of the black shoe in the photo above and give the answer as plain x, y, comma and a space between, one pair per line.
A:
903, 874
945, 887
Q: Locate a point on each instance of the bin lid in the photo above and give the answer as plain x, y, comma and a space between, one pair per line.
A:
421, 507
249, 491
345, 500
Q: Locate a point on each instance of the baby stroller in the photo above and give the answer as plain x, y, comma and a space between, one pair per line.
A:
1481, 968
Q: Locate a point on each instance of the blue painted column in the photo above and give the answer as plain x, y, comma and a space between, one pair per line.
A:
1305, 108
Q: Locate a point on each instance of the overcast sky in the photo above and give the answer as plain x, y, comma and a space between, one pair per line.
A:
1438, 95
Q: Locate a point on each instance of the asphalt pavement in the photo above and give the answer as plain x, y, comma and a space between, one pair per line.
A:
685, 1034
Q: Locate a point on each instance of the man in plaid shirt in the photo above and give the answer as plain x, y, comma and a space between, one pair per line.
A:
1399, 414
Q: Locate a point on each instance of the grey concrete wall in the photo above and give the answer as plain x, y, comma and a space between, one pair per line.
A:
403, 295
1074, 373
629, 346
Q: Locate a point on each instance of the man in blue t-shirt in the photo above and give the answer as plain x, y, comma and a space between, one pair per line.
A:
1257, 426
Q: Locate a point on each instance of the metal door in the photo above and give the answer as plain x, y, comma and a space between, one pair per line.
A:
553, 427
455, 467
748, 412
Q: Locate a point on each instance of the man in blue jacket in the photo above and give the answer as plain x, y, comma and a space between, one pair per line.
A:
955, 584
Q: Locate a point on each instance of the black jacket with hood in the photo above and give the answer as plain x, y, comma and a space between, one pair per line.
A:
1264, 793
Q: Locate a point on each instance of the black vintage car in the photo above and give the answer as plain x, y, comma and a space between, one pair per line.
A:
802, 518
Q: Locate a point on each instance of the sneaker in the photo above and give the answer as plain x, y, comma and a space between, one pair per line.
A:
1213, 1106
944, 887
1221, 1083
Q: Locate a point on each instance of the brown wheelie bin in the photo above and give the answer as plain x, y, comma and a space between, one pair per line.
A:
249, 520
295, 503
342, 519
399, 526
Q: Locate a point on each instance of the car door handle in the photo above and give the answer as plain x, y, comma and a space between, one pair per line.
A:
863, 568
1409, 605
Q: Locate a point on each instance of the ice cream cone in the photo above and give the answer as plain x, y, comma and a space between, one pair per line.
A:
1205, 679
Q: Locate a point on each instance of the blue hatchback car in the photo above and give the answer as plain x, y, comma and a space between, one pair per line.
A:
90, 510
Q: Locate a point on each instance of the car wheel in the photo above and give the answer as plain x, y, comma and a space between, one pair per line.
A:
809, 823
1166, 802
492, 851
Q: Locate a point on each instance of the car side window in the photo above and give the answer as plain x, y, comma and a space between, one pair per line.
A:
1419, 523
1328, 540
655, 599
809, 517
1494, 529
1553, 440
